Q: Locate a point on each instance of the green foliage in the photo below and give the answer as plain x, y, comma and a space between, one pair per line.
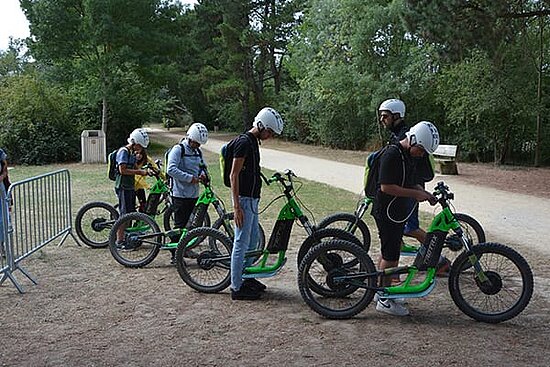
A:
36, 126
479, 70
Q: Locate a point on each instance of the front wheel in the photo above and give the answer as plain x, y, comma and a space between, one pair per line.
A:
94, 221
203, 260
493, 286
350, 289
349, 223
141, 242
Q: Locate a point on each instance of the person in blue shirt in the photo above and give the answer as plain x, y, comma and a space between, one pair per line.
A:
125, 178
184, 168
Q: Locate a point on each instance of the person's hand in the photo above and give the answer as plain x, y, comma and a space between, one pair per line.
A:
423, 195
194, 180
202, 178
432, 200
238, 216
143, 172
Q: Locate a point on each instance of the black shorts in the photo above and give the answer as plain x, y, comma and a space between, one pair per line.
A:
391, 236
126, 201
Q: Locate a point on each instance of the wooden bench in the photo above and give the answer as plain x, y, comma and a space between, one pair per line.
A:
445, 160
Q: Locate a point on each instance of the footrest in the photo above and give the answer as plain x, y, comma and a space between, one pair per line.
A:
411, 295
266, 274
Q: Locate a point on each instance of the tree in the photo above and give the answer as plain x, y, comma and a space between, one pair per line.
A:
348, 56
101, 43
511, 36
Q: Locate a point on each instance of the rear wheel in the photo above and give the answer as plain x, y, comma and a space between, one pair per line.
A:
345, 295
94, 221
350, 223
500, 292
142, 240
203, 260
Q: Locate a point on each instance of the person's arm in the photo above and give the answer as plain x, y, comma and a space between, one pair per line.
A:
391, 173
4, 172
125, 171
415, 193
236, 168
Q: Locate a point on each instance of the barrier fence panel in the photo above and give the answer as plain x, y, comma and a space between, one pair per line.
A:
39, 213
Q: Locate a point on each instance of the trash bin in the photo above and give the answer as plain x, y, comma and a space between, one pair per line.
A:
93, 146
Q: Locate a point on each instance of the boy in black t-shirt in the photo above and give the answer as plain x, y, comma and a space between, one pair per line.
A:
245, 193
391, 209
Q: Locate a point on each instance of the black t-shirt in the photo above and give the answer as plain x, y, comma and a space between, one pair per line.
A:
396, 167
250, 183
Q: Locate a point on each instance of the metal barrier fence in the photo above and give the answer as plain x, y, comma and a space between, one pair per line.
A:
39, 213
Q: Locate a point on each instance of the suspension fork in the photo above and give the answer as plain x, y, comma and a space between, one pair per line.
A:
473, 259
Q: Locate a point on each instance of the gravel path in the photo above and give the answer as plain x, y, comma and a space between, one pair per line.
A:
506, 217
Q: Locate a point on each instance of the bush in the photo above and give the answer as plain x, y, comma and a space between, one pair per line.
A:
36, 127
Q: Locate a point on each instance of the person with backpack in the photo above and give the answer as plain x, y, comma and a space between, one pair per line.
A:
392, 117
125, 177
246, 184
396, 185
184, 168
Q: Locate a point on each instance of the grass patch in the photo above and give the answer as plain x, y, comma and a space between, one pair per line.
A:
89, 182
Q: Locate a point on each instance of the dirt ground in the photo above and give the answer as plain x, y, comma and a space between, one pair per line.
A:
87, 310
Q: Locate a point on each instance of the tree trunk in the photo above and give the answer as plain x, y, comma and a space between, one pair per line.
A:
104, 110
539, 97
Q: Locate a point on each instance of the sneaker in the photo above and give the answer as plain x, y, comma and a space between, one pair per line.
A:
123, 246
254, 284
391, 307
245, 294
443, 268
401, 301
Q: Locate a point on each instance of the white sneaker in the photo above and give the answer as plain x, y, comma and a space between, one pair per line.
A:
391, 307
401, 301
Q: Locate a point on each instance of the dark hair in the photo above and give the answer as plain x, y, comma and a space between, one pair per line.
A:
143, 156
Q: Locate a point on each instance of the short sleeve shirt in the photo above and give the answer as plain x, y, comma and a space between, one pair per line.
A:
250, 183
125, 182
396, 168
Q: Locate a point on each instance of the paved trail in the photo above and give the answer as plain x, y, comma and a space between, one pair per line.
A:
507, 217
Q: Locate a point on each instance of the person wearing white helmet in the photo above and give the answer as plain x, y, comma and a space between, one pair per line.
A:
396, 185
392, 116
184, 166
126, 172
245, 193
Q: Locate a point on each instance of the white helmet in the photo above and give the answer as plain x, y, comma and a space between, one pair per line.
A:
394, 106
198, 132
269, 118
424, 133
139, 136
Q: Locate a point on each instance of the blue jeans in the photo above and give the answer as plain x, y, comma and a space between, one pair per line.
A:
246, 239
412, 223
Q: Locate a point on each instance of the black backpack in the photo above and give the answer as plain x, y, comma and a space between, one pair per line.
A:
372, 171
112, 167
